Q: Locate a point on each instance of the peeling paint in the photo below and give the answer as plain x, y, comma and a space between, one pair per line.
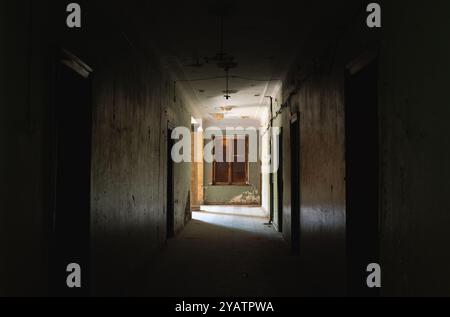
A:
247, 198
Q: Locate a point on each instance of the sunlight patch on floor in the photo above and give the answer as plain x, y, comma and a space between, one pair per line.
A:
236, 211
244, 223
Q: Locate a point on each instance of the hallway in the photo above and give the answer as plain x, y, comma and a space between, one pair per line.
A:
225, 255
147, 145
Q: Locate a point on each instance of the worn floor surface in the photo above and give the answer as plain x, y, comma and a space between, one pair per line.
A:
225, 254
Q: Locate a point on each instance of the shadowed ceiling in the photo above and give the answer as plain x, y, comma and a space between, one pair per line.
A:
256, 41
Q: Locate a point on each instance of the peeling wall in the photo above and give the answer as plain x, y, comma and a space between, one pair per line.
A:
129, 168
232, 195
133, 106
322, 182
414, 142
314, 88
132, 102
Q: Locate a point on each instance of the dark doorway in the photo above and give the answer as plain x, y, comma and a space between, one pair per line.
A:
295, 182
170, 191
362, 177
280, 181
272, 184
70, 221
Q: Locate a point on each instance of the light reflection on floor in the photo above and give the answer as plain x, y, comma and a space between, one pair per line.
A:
236, 210
225, 255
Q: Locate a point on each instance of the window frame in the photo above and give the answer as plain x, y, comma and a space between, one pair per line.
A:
231, 164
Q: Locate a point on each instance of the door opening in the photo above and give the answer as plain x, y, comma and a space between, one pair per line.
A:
170, 187
280, 182
362, 166
295, 182
71, 178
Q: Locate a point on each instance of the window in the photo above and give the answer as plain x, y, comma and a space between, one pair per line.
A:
231, 164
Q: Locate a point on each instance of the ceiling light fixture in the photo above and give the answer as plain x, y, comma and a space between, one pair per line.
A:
224, 61
225, 109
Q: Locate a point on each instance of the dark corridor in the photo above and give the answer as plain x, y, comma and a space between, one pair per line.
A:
113, 113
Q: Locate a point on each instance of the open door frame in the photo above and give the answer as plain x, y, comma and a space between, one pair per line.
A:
170, 203
362, 173
70, 174
295, 182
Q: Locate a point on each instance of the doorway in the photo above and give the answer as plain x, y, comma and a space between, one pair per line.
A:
295, 182
362, 172
170, 187
71, 177
280, 182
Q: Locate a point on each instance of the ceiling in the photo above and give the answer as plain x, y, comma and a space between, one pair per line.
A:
255, 38
261, 36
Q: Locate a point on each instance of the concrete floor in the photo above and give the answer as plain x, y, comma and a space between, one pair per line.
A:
225, 254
